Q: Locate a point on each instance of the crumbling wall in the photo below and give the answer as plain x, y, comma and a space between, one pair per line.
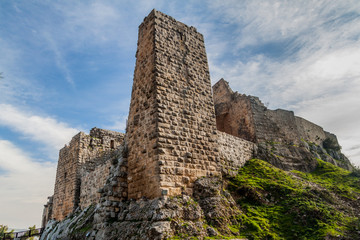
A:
233, 112
310, 131
98, 147
248, 118
171, 126
234, 152
91, 182
82, 155
47, 212
67, 182
285, 120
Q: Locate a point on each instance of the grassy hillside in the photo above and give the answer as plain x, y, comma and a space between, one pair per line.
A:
323, 204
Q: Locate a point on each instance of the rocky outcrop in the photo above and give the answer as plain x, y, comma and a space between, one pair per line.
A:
302, 157
207, 213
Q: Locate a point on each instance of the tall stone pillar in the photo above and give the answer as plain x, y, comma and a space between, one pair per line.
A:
171, 130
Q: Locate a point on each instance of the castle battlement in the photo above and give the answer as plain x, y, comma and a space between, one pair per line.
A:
177, 131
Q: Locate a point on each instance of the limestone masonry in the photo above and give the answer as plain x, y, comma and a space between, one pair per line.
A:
179, 129
84, 155
247, 117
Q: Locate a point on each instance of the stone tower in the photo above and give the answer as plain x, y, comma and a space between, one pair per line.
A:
83, 153
171, 128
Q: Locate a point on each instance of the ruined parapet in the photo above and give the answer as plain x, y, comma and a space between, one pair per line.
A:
171, 128
98, 147
91, 182
222, 92
67, 181
47, 212
233, 112
248, 118
283, 139
83, 154
310, 131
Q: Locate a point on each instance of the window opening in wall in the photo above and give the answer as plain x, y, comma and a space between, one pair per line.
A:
112, 144
65, 175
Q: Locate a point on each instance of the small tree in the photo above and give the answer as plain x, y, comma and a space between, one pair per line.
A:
5, 229
32, 230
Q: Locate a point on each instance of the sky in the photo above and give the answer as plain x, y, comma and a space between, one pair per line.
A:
67, 66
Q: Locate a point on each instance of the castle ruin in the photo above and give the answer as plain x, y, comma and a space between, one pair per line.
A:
178, 128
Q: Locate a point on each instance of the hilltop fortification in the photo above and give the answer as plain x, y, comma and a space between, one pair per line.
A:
285, 140
179, 135
83, 167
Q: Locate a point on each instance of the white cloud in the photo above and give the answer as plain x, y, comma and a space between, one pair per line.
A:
45, 130
317, 73
118, 124
96, 23
96, 20
25, 183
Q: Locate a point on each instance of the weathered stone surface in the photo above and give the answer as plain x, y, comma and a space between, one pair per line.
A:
233, 112
82, 155
219, 208
171, 128
287, 157
154, 182
234, 152
90, 184
208, 213
283, 139
248, 118
47, 212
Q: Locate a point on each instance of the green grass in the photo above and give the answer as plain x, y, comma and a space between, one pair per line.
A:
338, 180
278, 205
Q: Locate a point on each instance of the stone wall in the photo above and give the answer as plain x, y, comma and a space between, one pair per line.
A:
98, 147
234, 152
82, 155
310, 131
286, 122
47, 212
233, 112
142, 125
91, 182
248, 118
172, 137
67, 183
171, 128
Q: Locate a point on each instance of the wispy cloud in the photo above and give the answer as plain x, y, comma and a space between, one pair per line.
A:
25, 183
118, 124
297, 55
96, 23
14, 87
46, 130
59, 60
302, 56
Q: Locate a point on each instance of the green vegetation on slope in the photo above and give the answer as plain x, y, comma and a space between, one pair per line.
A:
295, 205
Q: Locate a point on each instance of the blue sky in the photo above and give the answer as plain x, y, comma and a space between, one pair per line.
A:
67, 66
